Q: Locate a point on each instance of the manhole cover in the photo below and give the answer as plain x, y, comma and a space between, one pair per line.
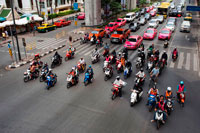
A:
40, 40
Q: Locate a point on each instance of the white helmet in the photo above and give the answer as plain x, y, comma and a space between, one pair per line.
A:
50, 70
73, 68
169, 88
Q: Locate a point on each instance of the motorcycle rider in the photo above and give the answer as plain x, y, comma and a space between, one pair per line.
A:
52, 75
90, 71
106, 48
168, 93
96, 53
129, 66
180, 88
82, 63
162, 106
164, 56
123, 60
155, 72
33, 70
57, 56
125, 53
107, 58
74, 74
46, 67
138, 88
153, 91
119, 82
142, 55
141, 74
175, 52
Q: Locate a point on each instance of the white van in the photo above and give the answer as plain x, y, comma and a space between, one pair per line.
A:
185, 26
130, 16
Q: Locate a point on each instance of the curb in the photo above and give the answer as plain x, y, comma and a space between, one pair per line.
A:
13, 66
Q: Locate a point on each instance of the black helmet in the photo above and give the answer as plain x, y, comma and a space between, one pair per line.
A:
141, 70
118, 77
96, 49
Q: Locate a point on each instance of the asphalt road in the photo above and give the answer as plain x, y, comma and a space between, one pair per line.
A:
29, 107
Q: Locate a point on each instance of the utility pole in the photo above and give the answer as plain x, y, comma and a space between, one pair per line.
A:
36, 1
13, 15
52, 10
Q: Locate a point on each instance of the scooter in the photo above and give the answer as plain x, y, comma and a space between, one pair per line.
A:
28, 76
119, 67
92, 40
43, 75
139, 80
87, 79
95, 58
105, 64
69, 81
115, 90
165, 44
149, 66
133, 99
162, 65
127, 72
159, 118
112, 59
174, 57
108, 73
80, 68
139, 63
51, 81
181, 99
56, 62
169, 106
69, 56
151, 102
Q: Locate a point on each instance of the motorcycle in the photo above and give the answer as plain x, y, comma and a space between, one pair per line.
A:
69, 56
56, 62
105, 52
119, 67
127, 72
149, 66
105, 64
139, 80
112, 59
133, 99
181, 99
169, 106
108, 73
83, 40
95, 58
69, 81
51, 81
165, 44
92, 40
139, 52
87, 79
151, 102
159, 118
174, 57
43, 75
115, 90
80, 68
28, 76
162, 65
139, 62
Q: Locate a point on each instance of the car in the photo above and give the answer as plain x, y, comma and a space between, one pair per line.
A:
112, 26
188, 16
185, 26
180, 12
143, 11
170, 26
130, 17
97, 33
147, 16
150, 33
173, 13
151, 7
147, 9
153, 23
81, 16
120, 35
62, 22
172, 5
133, 42
137, 14
142, 21
160, 18
172, 19
46, 28
134, 26
121, 22
164, 34
152, 13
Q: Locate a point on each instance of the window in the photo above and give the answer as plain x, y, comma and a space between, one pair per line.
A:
132, 40
62, 2
19, 3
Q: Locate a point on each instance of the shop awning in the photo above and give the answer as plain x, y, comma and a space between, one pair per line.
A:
2, 19
26, 15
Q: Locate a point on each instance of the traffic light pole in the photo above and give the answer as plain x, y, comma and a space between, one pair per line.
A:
13, 16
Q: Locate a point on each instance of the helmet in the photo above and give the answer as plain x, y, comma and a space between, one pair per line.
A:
73, 68
50, 70
90, 66
141, 69
161, 96
45, 64
96, 49
181, 82
151, 55
169, 88
31, 64
164, 51
118, 77
81, 58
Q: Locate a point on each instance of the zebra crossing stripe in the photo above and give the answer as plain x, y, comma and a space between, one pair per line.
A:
114, 48
79, 49
49, 43
187, 65
181, 59
87, 49
195, 61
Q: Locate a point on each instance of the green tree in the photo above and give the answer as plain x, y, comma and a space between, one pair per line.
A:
143, 2
115, 7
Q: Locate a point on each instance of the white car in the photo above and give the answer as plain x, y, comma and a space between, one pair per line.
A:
160, 18
170, 26
153, 23
172, 5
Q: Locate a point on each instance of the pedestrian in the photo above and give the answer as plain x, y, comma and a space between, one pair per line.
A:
70, 40
34, 30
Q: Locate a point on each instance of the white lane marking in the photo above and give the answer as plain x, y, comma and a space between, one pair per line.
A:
114, 48
172, 64
195, 61
87, 49
118, 49
187, 65
82, 48
180, 61
50, 44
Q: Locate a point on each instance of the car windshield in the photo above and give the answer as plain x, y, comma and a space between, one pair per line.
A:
119, 20
133, 24
149, 31
128, 16
160, 17
110, 25
170, 25
58, 21
151, 11
132, 40
165, 32
188, 15
118, 32
146, 15
94, 32
142, 19
152, 21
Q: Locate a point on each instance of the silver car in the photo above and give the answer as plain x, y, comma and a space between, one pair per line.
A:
170, 26
153, 23
142, 21
160, 18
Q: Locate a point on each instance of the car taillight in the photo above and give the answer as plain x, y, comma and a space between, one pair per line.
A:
179, 15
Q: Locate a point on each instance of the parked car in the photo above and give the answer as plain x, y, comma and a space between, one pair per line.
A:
120, 35
185, 26
97, 33
150, 33
147, 16
134, 26
153, 23
152, 13
62, 22
121, 22
160, 18
142, 21
130, 17
81, 16
133, 42
164, 34
46, 28
112, 26
170, 26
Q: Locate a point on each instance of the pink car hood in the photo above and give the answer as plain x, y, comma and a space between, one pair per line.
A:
130, 43
148, 34
163, 35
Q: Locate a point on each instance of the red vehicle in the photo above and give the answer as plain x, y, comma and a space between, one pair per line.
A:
81, 16
133, 42
115, 91
147, 9
97, 33
62, 22
150, 33
69, 55
151, 7
165, 34
153, 13
120, 35
80, 68
121, 22
112, 26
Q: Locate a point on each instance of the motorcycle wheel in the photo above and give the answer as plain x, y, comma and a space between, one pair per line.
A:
125, 76
26, 79
118, 71
66, 58
48, 87
158, 124
113, 96
86, 83
41, 79
52, 65
182, 105
92, 62
131, 104
150, 108
105, 78
68, 85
